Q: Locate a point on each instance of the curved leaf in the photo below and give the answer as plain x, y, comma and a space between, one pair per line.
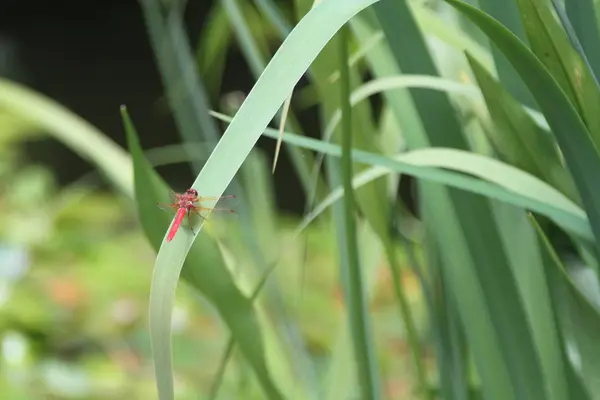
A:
485, 168
518, 139
551, 45
571, 133
204, 269
75, 132
286, 68
521, 193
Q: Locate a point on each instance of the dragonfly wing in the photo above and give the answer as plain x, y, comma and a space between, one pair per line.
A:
174, 196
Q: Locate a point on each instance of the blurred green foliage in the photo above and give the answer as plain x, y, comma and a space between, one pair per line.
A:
74, 287
498, 311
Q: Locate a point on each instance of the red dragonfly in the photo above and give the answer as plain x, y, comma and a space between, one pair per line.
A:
185, 203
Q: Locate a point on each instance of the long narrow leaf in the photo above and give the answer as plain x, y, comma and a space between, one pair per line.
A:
518, 139
552, 47
480, 281
574, 139
486, 169
508, 14
183, 87
355, 293
279, 77
205, 269
580, 323
574, 220
582, 17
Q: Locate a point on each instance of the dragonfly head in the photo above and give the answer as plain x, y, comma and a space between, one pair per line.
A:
192, 192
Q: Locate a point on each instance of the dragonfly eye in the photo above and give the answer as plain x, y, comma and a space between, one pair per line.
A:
193, 192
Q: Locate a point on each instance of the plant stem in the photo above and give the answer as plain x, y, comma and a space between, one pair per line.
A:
357, 312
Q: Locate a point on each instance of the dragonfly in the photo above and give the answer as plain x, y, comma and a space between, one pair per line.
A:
186, 203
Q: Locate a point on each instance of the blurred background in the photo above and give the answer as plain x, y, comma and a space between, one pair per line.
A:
94, 57
75, 268
76, 263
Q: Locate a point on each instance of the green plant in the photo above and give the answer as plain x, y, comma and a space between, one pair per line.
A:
506, 172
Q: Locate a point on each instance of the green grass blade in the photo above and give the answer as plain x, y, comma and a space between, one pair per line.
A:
288, 346
550, 44
374, 205
579, 321
254, 48
486, 169
479, 280
449, 337
188, 101
524, 254
518, 139
395, 83
508, 14
582, 324
204, 269
432, 24
355, 293
274, 16
211, 49
371, 199
469, 271
473, 300
231, 342
220, 374
573, 39
249, 44
278, 79
573, 218
341, 369
490, 170
570, 131
582, 15
184, 89
252, 52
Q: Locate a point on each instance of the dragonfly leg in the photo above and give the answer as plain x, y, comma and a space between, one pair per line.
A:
190, 221
197, 212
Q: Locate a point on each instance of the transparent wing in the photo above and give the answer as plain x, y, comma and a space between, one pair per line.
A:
223, 205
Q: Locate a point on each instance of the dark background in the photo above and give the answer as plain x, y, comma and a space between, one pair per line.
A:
94, 56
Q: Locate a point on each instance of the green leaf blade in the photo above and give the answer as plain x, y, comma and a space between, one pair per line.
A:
580, 153
204, 269
518, 139
550, 44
